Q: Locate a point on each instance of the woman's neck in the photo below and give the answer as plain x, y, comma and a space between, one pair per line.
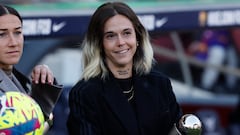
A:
7, 69
121, 72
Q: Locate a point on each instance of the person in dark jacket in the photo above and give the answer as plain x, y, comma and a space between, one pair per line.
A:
42, 87
120, 93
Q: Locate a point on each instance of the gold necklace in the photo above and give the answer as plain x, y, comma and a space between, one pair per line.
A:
132, 95
131, 91
128, 91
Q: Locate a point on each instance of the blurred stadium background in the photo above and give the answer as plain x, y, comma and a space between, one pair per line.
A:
54, 30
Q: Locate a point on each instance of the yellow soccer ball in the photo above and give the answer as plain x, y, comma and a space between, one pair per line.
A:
20, 115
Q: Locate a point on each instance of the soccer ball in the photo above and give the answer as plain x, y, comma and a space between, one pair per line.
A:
20, 115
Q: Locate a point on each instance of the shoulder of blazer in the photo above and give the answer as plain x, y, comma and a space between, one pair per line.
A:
25, 82
158, 75
164, 83
83, 86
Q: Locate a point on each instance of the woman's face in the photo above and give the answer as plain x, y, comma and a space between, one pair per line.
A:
11, 40
119, 41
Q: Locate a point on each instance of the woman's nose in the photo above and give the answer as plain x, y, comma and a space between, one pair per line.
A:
121, 40
12, 40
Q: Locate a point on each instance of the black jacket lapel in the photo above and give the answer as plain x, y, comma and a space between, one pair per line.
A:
146, 99
120, 106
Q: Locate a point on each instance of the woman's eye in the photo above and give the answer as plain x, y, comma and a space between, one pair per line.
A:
2, 34
18, 32
110, 36
127, 34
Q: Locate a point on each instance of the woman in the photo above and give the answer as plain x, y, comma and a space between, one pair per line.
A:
44, 88
120, 92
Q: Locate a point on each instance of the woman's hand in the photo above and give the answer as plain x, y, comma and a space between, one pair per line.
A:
42, 73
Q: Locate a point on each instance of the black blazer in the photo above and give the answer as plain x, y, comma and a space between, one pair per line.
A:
99, 107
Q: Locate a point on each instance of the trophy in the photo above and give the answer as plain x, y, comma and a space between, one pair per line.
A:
189, 124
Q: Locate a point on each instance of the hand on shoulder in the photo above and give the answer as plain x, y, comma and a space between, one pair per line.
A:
42, 74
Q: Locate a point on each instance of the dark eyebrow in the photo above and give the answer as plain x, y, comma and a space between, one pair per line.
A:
110, 32
17, 28
128, 29
20, 27
3, 29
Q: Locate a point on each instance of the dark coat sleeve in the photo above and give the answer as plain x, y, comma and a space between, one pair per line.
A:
81, 111
168, 101
175, 110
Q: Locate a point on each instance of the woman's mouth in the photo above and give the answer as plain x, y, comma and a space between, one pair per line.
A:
122, 51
